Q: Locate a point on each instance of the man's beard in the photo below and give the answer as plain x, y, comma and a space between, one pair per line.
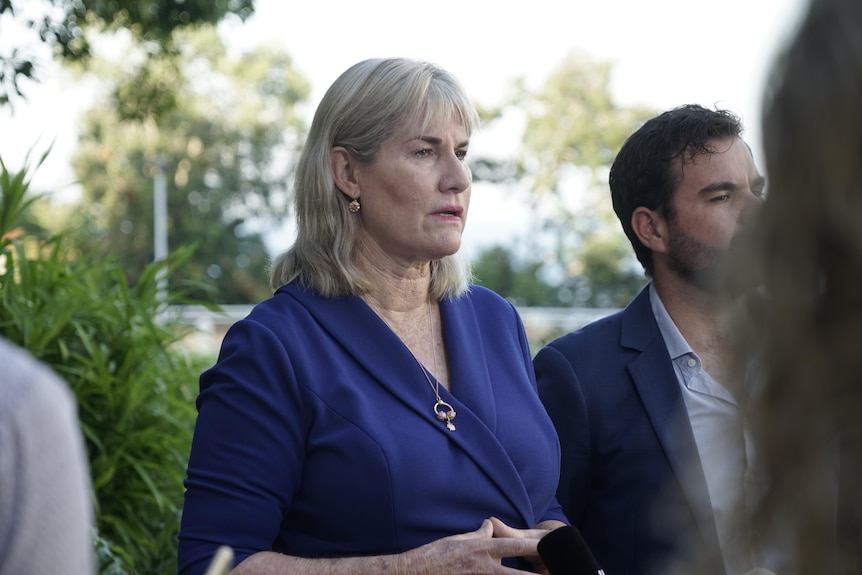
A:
702, 266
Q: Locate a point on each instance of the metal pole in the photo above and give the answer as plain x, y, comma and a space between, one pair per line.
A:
160, 222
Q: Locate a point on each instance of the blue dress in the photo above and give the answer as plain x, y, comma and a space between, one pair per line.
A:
316, 434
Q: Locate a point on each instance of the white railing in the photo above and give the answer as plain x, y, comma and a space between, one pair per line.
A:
540, 322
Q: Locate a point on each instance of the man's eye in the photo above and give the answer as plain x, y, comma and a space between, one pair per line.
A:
423, 153
461, 154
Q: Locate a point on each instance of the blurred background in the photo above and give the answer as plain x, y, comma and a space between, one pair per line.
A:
146, 155
221, 112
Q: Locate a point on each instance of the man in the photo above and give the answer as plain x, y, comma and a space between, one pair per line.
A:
653, 456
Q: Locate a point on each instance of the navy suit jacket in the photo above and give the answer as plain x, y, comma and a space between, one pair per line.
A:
630, 476
316, 433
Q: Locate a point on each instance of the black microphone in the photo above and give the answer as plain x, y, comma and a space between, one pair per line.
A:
565, 552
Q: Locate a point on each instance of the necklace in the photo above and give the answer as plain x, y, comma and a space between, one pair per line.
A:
442, 410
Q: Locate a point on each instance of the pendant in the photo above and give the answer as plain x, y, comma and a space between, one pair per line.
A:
445, 413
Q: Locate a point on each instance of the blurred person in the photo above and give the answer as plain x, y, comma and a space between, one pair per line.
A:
805, 414
652, 442
46, 511
378, 413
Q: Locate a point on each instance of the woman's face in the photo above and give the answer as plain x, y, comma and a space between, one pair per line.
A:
416, 192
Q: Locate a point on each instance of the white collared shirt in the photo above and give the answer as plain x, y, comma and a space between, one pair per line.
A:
718, 434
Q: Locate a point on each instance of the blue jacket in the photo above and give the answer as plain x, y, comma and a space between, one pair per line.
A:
630, 476
316, 433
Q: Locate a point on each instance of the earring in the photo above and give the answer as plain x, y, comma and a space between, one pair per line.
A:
354, 206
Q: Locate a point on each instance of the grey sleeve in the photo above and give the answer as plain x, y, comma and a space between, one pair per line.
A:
46, 509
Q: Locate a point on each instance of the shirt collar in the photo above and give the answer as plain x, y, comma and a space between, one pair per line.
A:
673, 340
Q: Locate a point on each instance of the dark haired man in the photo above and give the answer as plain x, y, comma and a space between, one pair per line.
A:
653, 454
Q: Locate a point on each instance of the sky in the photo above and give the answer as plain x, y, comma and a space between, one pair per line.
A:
663, 53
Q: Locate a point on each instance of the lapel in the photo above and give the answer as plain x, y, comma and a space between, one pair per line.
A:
656, 384
362, 334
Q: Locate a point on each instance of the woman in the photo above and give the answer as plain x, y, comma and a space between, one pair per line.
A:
377, 413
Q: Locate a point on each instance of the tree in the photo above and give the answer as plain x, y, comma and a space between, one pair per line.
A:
572, 132
224, 129
63, 26
499, 269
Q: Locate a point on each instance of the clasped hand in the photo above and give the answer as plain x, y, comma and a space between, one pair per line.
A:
478, 552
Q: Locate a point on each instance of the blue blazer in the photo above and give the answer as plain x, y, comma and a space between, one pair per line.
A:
630, 476
316, 433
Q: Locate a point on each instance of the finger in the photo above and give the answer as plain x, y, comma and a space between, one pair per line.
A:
503, 530
518, 547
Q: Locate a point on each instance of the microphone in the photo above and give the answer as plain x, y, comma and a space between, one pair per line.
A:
565, 552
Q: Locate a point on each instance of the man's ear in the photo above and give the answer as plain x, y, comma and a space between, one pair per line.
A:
343, 167
650, 228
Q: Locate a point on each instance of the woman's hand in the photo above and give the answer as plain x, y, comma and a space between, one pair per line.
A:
477, 552
542, 529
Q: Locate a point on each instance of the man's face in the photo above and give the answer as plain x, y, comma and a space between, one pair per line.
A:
715, 199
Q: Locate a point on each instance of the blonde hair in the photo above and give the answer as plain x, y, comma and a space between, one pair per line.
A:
366, 105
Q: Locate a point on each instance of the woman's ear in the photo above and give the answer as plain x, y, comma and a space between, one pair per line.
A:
649, 226
343, 166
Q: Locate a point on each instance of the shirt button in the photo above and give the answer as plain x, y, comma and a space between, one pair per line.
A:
692, 362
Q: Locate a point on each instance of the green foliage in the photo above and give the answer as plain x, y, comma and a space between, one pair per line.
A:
14, 203
498, 269
573, 132
604, 273
63, 26
153, 20
150, 91
117, 347
573, 121
224, 130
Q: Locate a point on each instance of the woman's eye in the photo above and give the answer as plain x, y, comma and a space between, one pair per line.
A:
423, 153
